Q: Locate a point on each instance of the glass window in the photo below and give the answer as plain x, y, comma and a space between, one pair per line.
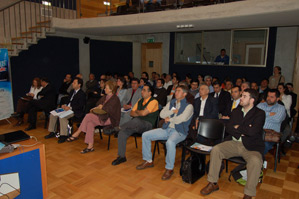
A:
249, 47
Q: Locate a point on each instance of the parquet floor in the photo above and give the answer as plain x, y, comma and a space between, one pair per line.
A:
89, 176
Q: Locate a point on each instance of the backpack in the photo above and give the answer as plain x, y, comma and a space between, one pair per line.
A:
193, 168
239, 174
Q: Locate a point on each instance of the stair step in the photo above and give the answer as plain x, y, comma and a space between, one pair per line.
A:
39, 27
23, 37
17, 43
43, 22
30, 32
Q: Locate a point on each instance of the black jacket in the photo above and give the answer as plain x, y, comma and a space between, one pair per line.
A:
47, 97
78, 103
224, 102
210, 110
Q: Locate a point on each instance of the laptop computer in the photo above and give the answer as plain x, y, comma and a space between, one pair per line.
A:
13, 137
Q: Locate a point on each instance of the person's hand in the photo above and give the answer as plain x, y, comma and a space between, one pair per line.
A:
63, 106
126, 107
175, 111
95, 92
167, 119
66, 108
196, 124
64, 80
100, 106
272, 113
31, 94
225, 117
236, 126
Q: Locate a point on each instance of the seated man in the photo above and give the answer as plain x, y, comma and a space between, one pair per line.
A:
223, 99
160, 93
275, 114
177, 114
236, 96
133, 94
222, 58
144, 113
245, 139
45, 101
76, 103
91, 84
194, 87
63, 90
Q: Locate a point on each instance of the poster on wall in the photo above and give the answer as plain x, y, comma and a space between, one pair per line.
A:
6, 103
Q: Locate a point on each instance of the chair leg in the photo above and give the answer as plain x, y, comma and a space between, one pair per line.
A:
276, 156
158, 147
136, 142
183, 159
165, 150
226, 166
109, 142
100, 132
46, 121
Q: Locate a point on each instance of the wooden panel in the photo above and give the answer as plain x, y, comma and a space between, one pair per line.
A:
151, 54
95, 8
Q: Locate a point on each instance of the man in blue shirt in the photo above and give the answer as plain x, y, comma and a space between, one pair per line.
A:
223, 58
275, 114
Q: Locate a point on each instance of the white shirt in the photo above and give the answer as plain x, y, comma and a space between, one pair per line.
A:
35, 91
202, 106
167, 84
287, 101
217, 94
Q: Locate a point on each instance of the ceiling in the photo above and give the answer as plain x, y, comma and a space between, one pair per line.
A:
242, 14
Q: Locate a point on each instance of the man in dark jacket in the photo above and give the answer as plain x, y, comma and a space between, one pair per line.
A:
160, 93
76, 103
223, 98
245, 139
45, 102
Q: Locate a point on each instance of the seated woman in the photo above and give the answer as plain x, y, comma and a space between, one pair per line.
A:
107, 114
121, 88
23, 102
285, 98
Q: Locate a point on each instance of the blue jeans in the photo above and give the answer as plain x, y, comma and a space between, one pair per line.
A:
268, 147
169, 134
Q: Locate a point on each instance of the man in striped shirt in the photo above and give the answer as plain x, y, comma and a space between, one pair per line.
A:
275, 114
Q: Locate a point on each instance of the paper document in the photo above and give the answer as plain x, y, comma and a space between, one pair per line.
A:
60, 112
201, 147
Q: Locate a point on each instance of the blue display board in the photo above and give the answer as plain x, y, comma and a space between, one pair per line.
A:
6, 103
28, 166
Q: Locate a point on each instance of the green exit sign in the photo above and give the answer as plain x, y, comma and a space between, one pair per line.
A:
151, 40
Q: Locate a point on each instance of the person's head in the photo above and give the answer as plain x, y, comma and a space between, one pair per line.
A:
126, 77
102, 83
77, 83
223, 52
168, 78
131, 75
91, 77
79, 76
175, 80
68, 78
163, 76
200, 78
217, 86
160, 83
103, 77
142, 81
110, 87
277, 70
264, 83
121, 82
188, 78
254, 86
144, 75
236, 92
174, 74
208, 80
194, 84
146, 91
281, 88
245, 85
228, 85
134, 83
214, 79
36, 82
157, 76
239, 81
181, 92
44, 81
249, 98
108, 76
272, 97
115, 75
290, 87
154, 75
204, 90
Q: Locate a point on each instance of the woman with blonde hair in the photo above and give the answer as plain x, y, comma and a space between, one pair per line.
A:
106, 113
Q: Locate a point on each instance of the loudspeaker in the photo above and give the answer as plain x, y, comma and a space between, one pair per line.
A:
86, 40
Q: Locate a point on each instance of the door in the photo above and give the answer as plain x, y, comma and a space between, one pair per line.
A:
151, 58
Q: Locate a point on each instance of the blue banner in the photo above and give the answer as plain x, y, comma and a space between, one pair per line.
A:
6, 103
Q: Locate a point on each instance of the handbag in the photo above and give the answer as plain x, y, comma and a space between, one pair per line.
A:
271, 135
193, 168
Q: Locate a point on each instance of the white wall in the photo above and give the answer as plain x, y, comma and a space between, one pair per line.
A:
285, 50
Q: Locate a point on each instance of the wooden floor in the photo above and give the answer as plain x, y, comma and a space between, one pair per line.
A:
74, 175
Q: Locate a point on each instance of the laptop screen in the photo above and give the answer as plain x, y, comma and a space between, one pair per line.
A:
13, 137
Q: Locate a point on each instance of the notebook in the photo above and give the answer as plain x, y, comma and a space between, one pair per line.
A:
13, 137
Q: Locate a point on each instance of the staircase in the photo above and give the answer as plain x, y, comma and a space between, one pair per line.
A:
24, 23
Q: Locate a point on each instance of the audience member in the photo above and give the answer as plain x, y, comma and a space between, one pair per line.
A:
188, 79
144, 113
275, 114
285, 98
177, 115
194, 87
127, 81
63, 90
200, 79
245, 129
223, 99
168, 81
276, 78
160, 93
228, 86
244, 86
95, 96
106, 113
121, 89
236, 96
91, 84
45, 101
222, 58
264, 86
294, 99
76, 102
171, 88
239, 82
131, 75
23, 102
253, 85
142, 82
208, 81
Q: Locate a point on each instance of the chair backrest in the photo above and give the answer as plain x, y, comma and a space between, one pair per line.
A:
211, 129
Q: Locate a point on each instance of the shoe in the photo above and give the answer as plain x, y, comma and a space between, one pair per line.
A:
145, 165
72, 138
211, 187
119, 160
19, 123
30, 127
62, 139
50, 135
246, 197
87, 150
167, 174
